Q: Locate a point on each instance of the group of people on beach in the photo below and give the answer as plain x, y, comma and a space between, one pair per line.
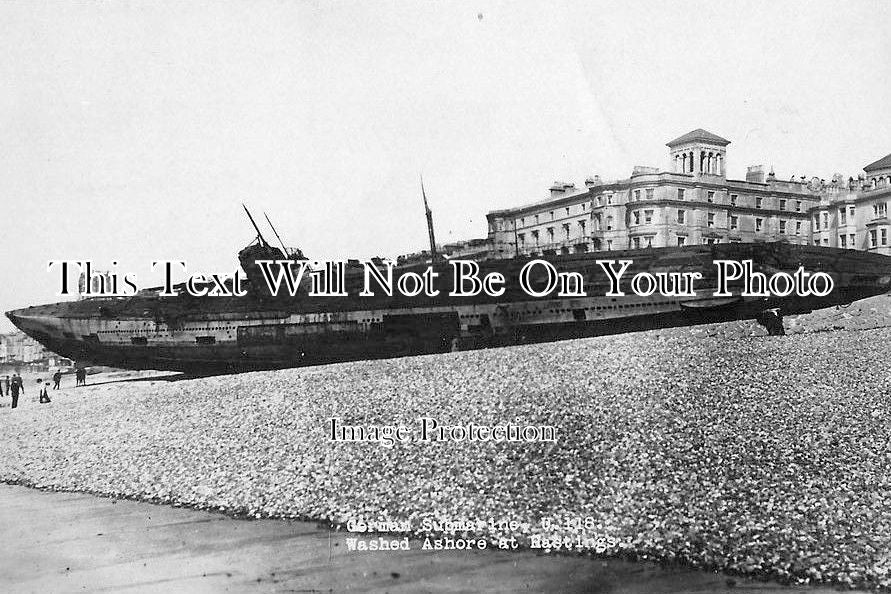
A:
14, 385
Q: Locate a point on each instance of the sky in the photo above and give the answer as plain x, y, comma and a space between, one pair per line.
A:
134, 131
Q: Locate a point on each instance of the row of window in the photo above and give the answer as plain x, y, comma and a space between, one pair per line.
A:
647, 241
550, 233
877, 238
710, 197
639, 242
649, 194
843, 214
846, 213
733, 221
552, 215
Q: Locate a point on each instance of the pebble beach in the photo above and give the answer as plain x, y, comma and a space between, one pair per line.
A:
716, 447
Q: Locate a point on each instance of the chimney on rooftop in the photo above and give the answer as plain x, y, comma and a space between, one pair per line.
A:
755, 173
557, 189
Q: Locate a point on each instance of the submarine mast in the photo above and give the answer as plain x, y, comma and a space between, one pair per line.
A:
284, 249
434, 256
260, 238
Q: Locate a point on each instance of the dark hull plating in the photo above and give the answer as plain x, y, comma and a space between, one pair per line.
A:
224, 335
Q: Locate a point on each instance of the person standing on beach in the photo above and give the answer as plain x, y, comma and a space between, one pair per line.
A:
57, 377
14, 388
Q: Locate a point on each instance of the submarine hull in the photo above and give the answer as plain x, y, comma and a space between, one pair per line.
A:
222, 335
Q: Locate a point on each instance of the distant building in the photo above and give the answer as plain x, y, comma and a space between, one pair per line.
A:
694, 203
471, 249
19, 348
879, 173
853, 214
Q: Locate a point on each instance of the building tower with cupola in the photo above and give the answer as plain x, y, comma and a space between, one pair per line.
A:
699, 152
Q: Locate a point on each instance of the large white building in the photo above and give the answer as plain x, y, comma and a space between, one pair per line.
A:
695, 203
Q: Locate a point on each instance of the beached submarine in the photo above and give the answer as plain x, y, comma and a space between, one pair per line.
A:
263, 329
